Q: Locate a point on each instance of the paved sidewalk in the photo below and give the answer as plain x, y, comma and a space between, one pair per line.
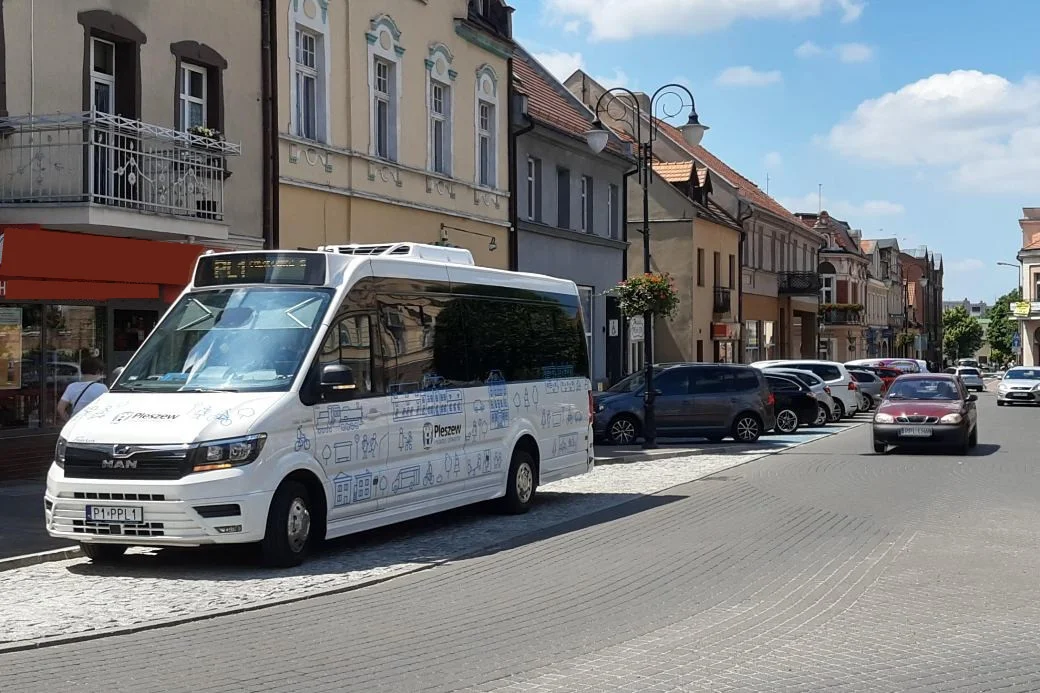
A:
21, 521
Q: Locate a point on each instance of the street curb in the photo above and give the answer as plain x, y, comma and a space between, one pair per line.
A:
37, 558
56, 640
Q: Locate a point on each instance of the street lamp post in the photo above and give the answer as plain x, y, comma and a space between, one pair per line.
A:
597, 138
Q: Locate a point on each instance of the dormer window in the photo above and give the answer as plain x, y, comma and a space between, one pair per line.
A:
492, 14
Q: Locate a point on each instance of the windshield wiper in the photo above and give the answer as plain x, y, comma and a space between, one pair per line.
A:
207, 389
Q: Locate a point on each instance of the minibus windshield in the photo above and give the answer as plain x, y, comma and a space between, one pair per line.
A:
229, 340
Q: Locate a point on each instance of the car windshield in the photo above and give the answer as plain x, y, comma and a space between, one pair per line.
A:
632, 383
227, 340
1023, 374
969, 371
924, 388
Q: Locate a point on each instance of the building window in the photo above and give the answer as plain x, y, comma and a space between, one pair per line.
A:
563, 198
700, 266
486, 143
587, 205
307, 85
613, 213
716, 268
587, 293
760, 260
193, 96
534, 189
782, 266
732, 271
828, 289
384, 84
440, 128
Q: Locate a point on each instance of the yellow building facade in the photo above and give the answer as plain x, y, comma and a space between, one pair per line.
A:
393, 124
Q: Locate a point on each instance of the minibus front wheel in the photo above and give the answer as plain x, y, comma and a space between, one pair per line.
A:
289, 526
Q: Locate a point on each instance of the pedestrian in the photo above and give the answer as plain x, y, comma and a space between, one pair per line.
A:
79, 394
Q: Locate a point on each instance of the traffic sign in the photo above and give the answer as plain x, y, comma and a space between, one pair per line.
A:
1016, 341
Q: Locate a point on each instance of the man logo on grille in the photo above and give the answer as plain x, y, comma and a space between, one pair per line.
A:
119, 464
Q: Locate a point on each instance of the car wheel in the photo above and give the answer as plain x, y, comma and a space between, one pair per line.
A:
821, 416
103, 553
747, 428
288, 536
841, 409
973, 439
786, 421
880, 448
521, 485
1000, 403
835, 414
623, 430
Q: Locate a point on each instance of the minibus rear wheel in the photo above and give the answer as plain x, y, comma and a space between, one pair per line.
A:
289, 523
520, 486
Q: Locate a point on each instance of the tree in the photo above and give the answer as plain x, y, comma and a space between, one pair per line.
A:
962, 334
1002, 327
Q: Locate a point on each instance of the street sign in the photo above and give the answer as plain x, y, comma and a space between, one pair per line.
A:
1016, 341
635, 329
613, 332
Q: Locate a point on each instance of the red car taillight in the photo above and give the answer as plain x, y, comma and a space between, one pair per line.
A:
827, 389
592, 407
771, 400
852, 385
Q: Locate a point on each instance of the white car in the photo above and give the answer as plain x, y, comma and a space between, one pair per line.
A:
971, 377
1020, 385
844, 388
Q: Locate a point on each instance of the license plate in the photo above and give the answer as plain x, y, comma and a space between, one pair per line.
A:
115, 514
1021, 395
915, 432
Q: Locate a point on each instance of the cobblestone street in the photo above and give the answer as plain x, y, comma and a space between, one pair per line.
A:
823, 567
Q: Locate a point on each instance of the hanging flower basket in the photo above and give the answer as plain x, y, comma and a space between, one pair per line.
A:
653, 292
905, 340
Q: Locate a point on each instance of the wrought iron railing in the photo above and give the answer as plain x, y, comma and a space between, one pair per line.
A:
842, 316
96, 158
799, 283
723, 300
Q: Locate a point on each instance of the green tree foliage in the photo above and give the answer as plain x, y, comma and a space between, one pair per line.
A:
962, 334
1002, 327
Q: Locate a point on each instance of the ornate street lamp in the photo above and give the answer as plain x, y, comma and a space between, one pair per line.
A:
692, 131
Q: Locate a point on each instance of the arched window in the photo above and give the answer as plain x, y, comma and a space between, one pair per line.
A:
486, 117
827, 282
384, 87
440, 108
309, 52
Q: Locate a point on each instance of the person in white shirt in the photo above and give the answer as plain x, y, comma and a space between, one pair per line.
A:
78, 395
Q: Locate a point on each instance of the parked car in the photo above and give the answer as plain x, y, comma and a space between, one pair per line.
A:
709, 400
1020, 385
871, 387
927, 409
795, 404
969, 375
828, 409
843, 386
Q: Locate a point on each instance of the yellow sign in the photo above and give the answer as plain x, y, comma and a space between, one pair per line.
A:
1020, 309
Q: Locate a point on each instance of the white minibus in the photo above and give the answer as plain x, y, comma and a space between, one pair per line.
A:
287, 397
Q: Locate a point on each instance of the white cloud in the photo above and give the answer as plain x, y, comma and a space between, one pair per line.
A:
964, 266
625, 19
773, 161
747, 76
843, 209
572, 27
854, 52
981, 130
852, 10
562, 65
808, 50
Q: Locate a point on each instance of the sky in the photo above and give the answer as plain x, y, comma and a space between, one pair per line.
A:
920, 118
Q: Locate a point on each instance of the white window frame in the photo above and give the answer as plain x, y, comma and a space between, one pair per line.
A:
828, 284
532, 188
382, 96
612, 220
486, 128
304, 73
318, 28
187, 69
101, 77
384, 47
440, 76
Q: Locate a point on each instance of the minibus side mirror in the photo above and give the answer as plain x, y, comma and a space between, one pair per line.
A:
338, 378
116, 372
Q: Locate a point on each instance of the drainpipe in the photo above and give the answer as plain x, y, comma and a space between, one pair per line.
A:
517, 106
269, 110
750, 212
624, 259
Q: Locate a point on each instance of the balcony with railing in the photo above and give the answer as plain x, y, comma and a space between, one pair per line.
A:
833, 314
723, 300
798, 283
100, 172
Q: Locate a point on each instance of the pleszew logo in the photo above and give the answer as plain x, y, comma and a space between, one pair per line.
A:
119, 464
143, 416
435, 433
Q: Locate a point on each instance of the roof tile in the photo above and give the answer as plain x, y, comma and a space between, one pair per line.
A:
674, 172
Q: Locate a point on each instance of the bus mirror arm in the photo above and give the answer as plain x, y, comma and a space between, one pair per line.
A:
336, 376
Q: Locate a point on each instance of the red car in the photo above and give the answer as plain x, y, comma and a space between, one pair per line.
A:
926, 409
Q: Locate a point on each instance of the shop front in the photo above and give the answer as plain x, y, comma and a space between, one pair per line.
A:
725, 338
760, 327
64, 298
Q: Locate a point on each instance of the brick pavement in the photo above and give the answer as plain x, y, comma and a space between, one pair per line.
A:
817, 569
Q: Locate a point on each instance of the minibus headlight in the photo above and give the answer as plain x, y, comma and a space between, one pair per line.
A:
225, 454
59, 452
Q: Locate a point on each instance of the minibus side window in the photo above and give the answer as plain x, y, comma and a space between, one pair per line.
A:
349, 343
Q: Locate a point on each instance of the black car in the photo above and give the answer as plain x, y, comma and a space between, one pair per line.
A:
795, 403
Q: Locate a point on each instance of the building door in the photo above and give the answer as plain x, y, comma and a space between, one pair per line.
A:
614, 341
103, 102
